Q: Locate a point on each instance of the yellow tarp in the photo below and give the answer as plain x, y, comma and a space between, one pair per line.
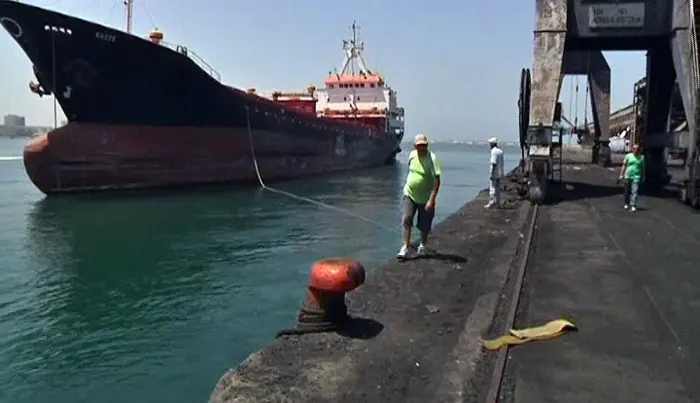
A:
549, 330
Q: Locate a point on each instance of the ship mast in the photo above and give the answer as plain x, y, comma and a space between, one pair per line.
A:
129, 14
353, 52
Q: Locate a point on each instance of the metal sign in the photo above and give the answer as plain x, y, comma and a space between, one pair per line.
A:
620, 15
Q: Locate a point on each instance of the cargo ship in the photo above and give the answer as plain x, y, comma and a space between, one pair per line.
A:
143, 113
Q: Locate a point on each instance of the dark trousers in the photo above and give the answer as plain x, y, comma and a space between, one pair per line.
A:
425, 218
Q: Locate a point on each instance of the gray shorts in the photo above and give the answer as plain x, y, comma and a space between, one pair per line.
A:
425, 218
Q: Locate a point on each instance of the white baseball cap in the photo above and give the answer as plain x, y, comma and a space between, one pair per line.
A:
493, 140
420, 139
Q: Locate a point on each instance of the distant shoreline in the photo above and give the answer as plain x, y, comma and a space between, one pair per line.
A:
21, 131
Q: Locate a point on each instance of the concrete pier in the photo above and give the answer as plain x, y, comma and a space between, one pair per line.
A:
628, 280
423, 319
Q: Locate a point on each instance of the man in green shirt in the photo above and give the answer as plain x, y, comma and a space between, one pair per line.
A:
419, 193
632, 172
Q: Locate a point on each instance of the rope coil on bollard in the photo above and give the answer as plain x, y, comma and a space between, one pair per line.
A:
312, 320
323, 308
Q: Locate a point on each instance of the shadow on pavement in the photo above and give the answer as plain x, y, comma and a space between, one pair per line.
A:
571, 191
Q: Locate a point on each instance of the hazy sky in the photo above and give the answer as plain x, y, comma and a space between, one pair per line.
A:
455, 64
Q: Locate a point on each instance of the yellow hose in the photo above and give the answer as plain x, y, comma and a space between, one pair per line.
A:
549, 330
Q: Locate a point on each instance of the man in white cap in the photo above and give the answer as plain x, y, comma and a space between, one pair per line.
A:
495, 174
419, 193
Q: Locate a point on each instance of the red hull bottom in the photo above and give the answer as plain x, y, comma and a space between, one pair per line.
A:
82, 157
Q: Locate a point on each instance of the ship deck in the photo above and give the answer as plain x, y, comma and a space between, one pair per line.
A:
628, 280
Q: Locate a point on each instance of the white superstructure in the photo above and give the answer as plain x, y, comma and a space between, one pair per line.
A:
357, 93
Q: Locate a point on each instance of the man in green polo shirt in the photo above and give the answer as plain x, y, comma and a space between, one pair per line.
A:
419, 194
633, 173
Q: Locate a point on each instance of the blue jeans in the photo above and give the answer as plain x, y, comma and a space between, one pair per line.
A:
631, 191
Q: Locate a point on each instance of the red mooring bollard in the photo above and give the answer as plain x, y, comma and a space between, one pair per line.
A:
323, 307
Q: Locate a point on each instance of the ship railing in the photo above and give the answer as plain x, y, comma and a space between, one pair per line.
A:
195, 58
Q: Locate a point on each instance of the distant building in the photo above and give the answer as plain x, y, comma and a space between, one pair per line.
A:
14, 121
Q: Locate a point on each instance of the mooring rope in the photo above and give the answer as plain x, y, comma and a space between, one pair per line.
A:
302, 198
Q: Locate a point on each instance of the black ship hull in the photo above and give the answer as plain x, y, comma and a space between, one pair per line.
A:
117, 89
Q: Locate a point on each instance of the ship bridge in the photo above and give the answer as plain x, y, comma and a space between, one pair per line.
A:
357, 93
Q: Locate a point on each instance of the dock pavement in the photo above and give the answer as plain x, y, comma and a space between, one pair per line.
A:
630, 281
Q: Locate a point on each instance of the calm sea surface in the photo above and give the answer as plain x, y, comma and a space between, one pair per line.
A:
151, 297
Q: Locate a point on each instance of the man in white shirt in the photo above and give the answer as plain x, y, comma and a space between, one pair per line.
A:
495, 174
